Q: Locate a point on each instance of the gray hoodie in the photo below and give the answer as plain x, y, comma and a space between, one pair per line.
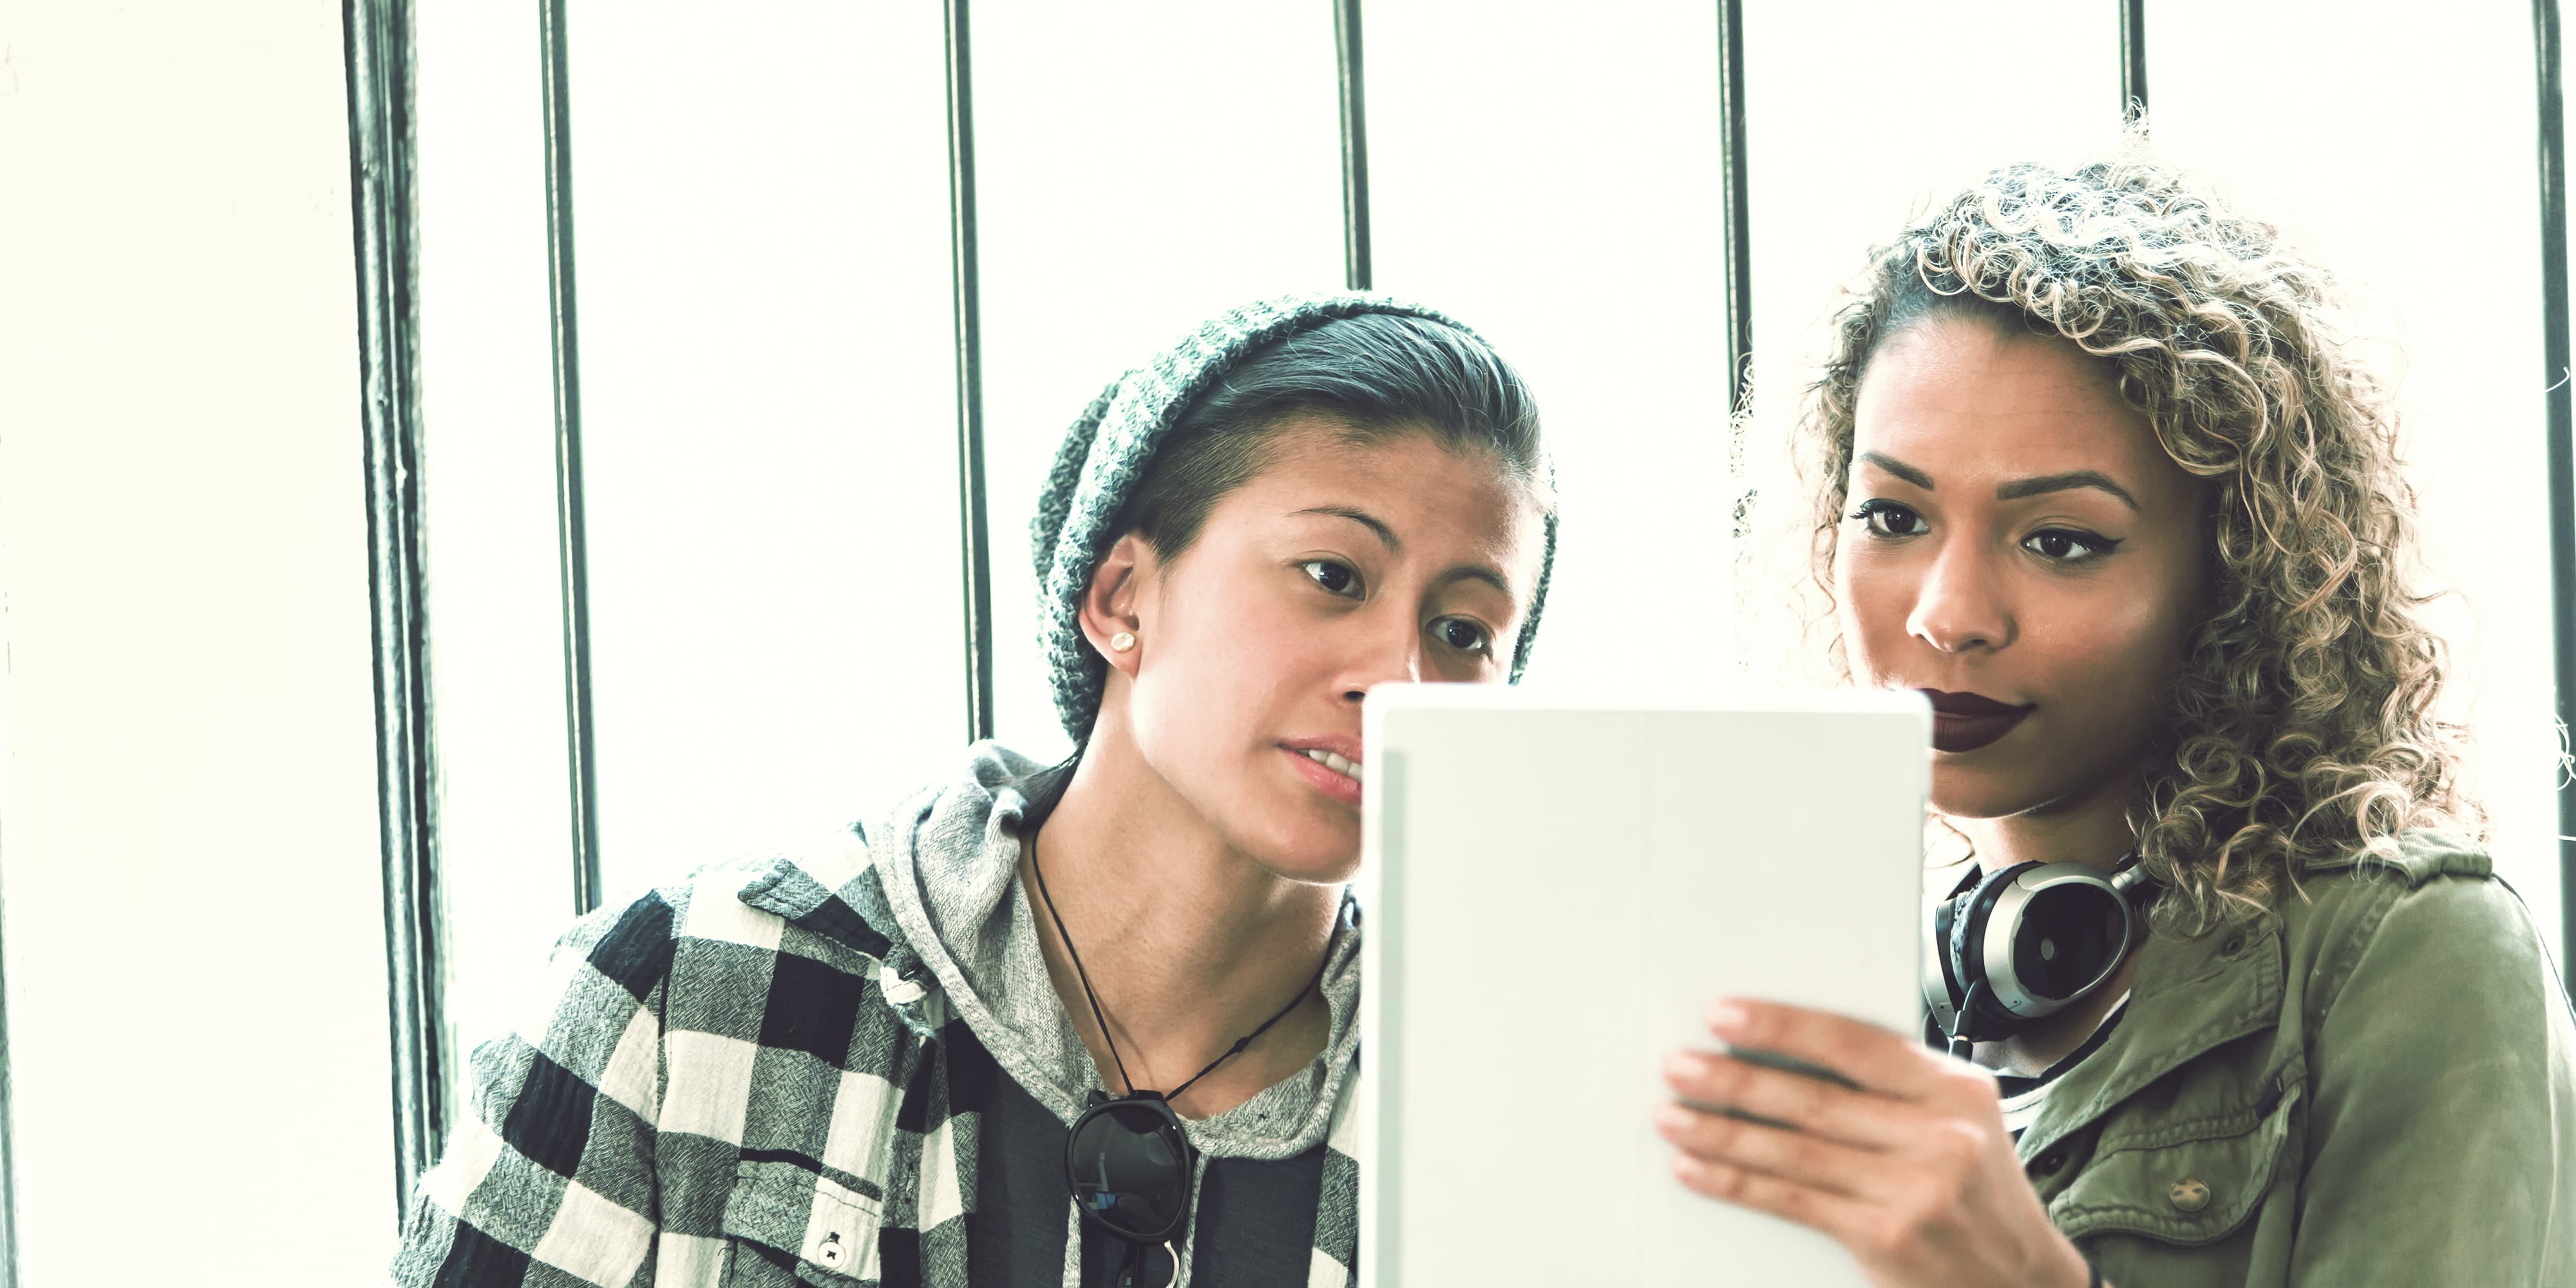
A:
949, 858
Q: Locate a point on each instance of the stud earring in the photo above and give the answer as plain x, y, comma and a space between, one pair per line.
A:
1122, 641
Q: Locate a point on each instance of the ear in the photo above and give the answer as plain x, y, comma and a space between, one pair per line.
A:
1109, 602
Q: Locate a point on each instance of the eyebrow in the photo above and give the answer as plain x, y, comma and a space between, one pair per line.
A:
1900, 469
1477, 572
2018, 488
1395, 545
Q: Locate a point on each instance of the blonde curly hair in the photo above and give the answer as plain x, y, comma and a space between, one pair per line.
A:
2302, 726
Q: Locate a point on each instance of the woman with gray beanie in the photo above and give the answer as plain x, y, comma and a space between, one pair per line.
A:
1085, 1024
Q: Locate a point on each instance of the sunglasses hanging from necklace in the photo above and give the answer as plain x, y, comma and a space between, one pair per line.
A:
1127, 1159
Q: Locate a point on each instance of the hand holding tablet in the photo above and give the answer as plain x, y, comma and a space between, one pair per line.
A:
1905, 1162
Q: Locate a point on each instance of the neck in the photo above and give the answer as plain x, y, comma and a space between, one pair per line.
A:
2091, 829
1188, 944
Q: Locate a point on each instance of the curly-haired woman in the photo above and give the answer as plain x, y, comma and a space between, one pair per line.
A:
2090, 466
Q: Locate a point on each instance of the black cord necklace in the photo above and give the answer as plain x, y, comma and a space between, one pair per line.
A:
1094, 998
1128, 1161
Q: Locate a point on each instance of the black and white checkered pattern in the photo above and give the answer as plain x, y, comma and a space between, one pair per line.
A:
744, 1080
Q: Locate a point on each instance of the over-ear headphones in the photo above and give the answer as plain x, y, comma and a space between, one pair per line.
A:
2027, 941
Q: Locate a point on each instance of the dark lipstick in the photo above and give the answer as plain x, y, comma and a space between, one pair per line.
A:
1967, 721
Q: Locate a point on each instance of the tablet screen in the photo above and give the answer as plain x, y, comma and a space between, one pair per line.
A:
1554, 893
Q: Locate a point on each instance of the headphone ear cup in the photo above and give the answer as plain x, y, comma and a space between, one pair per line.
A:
1982, 1018
2023, 943
2052, 939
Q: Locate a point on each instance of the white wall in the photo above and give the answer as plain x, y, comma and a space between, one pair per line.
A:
195, 939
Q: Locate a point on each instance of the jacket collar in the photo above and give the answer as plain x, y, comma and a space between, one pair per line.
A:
2189, 996
831, 889
837, 889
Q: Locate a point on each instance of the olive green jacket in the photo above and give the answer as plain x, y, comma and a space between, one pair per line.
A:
2373, 1083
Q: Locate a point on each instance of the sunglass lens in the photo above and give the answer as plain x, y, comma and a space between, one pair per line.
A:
1127, 1170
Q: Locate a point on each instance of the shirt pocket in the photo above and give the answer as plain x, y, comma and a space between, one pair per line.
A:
792, 1215
2190, 1182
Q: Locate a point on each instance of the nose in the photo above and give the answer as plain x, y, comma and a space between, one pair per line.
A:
1960, 606
1390, 652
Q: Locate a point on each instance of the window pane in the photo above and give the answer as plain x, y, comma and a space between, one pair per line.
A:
487, 460
768, 420
1550, 173
1143, 167
2427, 206
1859, 117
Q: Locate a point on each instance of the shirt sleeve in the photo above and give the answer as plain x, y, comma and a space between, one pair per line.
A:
2442, 1130
550, 1178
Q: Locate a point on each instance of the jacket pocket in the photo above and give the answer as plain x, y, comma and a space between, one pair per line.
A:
795, 1215
2189, 1182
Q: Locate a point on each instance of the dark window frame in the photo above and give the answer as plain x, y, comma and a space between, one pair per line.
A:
377, 45
384, 215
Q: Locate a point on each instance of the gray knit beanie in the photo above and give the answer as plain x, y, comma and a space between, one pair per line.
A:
1104, 456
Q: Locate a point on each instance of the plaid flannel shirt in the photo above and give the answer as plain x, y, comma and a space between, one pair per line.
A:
749, 1080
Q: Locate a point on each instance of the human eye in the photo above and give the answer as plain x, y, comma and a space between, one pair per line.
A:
2068, 545
1333, 575
1888, 519
1463, 634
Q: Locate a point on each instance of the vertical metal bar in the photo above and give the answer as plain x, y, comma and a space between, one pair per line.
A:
377, 39
2133, 59
1357, 273
976, 537
572, 543
1737, 212
8, 1137
1739, 217
2561, 427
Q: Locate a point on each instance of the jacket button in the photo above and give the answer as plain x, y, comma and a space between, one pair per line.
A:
2189, 1194
2234, 942
2048, 1163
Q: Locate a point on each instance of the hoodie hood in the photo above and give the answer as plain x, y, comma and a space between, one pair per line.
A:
949, 862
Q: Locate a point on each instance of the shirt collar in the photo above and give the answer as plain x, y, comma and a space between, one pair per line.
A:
2189, 996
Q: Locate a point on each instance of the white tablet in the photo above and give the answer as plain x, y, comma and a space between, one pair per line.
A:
1554, 892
